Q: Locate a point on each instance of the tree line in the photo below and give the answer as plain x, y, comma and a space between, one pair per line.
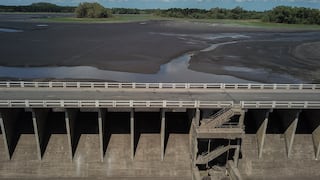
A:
214, 13
293, 15
280, 14
38, 7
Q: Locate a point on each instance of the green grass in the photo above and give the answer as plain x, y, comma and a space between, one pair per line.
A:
113, 19
255, 23
146, 17
259, 23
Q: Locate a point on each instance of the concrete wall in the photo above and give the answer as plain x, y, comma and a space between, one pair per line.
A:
69, 144
97, 143
275, 162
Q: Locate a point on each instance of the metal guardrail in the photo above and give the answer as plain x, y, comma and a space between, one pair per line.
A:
280, 104
157, 104
53, 84
112, 104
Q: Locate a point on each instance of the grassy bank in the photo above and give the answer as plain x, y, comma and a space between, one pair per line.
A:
114, 19
147, 17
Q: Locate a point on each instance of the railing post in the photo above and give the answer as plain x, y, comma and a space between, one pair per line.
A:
163, 130
132, 133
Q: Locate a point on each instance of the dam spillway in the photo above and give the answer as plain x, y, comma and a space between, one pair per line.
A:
158, 130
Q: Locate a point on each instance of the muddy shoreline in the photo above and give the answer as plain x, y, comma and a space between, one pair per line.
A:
139, 47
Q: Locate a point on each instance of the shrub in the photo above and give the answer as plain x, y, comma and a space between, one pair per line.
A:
92, 10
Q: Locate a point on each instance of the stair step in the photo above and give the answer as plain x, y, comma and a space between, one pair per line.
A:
203, 159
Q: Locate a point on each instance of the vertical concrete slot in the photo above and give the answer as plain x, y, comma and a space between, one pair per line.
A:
309, 125
102, 118
86, 145
55, 141
26, 146
39, 118
117, 139
70, 117
3, 141
163, 131
132, 132
8, 121
283, 123
147, 136
291, 131
176, 143
256, 122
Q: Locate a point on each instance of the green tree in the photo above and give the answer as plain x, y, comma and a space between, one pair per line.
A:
91, 10
293, 15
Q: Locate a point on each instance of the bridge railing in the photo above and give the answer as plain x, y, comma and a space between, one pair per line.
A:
106, 85
280, 104
157, 104
113, 104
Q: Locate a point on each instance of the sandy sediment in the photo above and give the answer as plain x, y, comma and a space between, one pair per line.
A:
144, 47
263, 61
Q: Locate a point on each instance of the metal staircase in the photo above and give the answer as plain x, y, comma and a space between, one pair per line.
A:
218, 118
206, 157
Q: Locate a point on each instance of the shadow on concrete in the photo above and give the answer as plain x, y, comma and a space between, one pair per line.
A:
254, 119
176, 123
280, 120
24, 126
55, 124
116, 123
86, 123
308, 121
145, 122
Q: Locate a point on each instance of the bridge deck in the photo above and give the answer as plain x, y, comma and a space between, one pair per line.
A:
252, 98
158, 94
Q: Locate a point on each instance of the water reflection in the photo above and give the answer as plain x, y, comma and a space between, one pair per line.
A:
174, 71
7, 30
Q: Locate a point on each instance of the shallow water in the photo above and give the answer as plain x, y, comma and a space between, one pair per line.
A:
7, 30
174, 71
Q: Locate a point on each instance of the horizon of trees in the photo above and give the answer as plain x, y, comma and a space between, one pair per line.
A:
214, 13
38, 7
279, 14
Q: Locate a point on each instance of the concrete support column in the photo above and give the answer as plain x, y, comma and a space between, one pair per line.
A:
316, 141
261, 134
208, 151
8, 123
102, 113
132, 132
70, 117
192, 137
195, 150
39, 119
163, 132
197, 117
237, 153
241, 118
289, 134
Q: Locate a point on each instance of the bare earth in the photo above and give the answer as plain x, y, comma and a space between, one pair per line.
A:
262, 55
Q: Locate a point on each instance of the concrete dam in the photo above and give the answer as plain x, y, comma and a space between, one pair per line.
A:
94, 130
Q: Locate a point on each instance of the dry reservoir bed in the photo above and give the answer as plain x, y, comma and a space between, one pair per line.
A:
150, 52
